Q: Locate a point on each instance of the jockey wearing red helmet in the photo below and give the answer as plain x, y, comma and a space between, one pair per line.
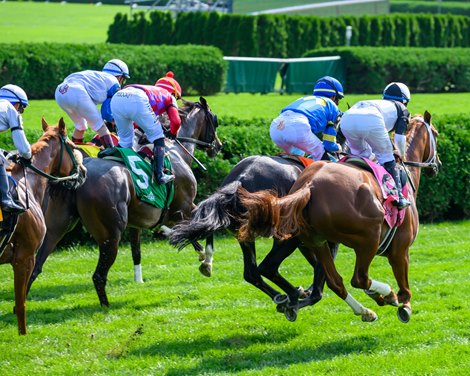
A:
170, 84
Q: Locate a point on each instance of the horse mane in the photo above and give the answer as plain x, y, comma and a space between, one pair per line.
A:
186, 109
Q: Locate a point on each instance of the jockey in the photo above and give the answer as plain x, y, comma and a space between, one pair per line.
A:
80, 92
13, 101
294, 129
142, 104
366, 126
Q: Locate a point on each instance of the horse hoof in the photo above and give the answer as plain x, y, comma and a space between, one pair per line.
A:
291, 314
369, 316
205, 269
391, 299
280, 299
404, 314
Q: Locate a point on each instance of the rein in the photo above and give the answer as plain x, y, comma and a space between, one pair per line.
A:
210, 119
56, 179
431, 162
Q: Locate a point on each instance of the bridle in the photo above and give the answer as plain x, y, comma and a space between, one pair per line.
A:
432, 161
75, 173
210, 131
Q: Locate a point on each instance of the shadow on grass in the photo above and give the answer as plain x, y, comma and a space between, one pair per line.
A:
243, 359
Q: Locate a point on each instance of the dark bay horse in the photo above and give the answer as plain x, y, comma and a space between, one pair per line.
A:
53, 157
341, 203
222, 210
106, 204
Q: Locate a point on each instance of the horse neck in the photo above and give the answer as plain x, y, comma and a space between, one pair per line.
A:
416, 153
190, 129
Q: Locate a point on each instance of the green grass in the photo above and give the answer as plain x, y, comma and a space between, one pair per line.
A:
181, 323
247, 106
54, 22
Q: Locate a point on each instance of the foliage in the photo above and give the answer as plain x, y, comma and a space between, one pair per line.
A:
370, 69
181, 323
290, 36
40, 67
460, 7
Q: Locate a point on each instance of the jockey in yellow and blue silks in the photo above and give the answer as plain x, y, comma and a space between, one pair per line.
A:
295, 128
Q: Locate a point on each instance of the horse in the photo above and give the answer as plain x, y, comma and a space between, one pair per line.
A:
107, 203
342, 203
222, 210
54, 161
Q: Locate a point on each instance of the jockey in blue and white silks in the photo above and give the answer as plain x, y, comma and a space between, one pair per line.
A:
367, 124
81, 92
294, 129
13, 101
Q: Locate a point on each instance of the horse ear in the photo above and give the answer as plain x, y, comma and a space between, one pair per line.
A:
44, 124
427, 117
203, 101
62, 130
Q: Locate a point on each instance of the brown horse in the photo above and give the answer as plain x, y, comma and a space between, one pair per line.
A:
53, 157
107, 203
341, 203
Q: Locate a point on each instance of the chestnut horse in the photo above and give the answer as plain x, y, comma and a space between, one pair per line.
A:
341, 203
107, 203
54, 161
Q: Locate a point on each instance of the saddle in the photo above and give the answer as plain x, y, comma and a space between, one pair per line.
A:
139, 165
393, 216
8, 220
303, 161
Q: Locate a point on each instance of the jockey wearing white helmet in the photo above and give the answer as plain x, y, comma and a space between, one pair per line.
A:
80, 92
13, 100
366, 126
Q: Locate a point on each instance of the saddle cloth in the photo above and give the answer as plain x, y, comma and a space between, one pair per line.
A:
141, 171
304, 161
393, 216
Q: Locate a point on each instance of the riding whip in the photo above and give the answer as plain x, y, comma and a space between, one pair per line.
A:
188, 152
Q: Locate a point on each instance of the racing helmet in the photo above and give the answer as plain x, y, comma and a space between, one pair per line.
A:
328, 87
170, 84
116, 67
14, 94
397, 91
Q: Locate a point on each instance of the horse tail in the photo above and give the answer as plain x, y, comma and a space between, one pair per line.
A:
217, 212
267, 215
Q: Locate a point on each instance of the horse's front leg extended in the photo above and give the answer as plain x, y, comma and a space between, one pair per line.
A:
134, 237
400, 264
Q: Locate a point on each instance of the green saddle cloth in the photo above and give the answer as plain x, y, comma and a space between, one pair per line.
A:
154, 194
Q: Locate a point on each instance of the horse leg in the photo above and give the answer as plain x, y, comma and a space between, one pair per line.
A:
108, 254
269, 268
315, 291
206, 266
400, 264
60, 218
335, 283
250, 271
134, 236
22, 271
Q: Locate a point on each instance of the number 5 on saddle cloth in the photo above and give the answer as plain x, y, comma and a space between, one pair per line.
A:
141, 171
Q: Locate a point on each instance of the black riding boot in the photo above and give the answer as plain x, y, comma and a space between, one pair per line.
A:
158, 159
391, 168
8, 204
107, 141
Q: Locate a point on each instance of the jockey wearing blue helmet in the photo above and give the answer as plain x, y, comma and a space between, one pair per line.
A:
329, 87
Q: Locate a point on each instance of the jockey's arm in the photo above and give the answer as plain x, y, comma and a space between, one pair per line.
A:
175, 120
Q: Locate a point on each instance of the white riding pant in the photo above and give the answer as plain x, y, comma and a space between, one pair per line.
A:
75, 101
292, 133
364, 129
132, 105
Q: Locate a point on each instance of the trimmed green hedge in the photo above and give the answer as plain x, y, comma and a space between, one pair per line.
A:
430, 70
280, 36
40, 67
456, 7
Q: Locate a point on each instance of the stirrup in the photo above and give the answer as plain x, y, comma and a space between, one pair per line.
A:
165, 179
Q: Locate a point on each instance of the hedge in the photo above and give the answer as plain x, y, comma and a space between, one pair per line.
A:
281, 36
40, 67
430, 70
455, 7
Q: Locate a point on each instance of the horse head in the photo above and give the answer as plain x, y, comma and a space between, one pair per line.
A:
56, 157
422, 147
200, 126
